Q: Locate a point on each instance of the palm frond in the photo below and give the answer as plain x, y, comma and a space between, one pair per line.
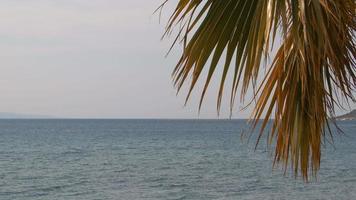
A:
314, 65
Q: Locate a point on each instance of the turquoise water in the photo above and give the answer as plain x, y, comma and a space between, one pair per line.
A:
158, 159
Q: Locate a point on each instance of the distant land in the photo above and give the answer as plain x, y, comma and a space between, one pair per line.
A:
349, 116
7, 115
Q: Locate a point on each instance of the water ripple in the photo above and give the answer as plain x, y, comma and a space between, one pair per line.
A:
156, 159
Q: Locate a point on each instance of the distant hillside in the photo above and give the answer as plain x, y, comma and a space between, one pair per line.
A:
6, 115
349, 116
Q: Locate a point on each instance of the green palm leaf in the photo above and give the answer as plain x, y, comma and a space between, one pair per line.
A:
313, 67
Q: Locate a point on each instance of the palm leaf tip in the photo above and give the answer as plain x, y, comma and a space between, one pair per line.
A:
312, 70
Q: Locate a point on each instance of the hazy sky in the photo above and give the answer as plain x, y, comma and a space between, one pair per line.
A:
91, 58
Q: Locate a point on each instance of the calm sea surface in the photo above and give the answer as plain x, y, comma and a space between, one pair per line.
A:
158, 159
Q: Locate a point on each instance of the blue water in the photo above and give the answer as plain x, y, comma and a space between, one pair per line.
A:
158, 159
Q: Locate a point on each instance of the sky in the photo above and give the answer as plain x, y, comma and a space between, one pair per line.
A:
93, 59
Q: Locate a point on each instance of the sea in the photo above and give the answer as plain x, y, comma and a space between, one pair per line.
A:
149, 159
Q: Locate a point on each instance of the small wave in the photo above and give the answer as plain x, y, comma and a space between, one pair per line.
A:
178, 185
72, 152
159, 185
164, 168
60, 187
158, 179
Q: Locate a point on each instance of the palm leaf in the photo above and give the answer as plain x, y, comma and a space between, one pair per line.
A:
313, 68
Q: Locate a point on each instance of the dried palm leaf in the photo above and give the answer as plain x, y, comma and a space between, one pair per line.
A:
313, 67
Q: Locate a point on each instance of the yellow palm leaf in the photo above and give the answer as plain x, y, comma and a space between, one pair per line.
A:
314, 65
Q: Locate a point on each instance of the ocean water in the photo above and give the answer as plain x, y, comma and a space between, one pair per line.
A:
158, 159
